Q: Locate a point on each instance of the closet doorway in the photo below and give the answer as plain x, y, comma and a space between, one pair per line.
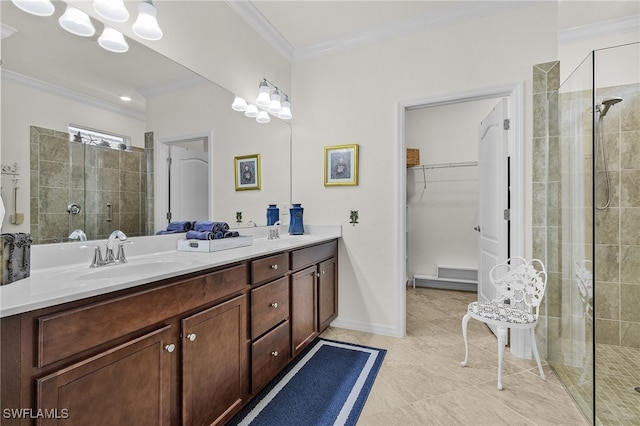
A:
438, 217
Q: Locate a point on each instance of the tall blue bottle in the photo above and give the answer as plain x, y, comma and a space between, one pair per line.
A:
296, 227
273, 214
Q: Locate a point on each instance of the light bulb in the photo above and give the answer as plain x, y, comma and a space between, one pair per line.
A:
263, 99
113, 40
146, 26
252, 111
76, 22
285, 112
275, 106
35, 7
263, 117
113, 10
239, 104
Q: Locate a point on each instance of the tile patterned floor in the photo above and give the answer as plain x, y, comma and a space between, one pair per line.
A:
421, 381
617, 373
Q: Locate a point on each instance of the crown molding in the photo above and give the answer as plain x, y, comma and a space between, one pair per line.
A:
70, 94
259, 23
600, 29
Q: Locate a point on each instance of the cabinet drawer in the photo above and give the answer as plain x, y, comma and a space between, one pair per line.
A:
269, 306
270, 354
314, 254
269, 268
70, 332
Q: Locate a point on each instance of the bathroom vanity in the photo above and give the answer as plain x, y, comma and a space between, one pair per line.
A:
191, 348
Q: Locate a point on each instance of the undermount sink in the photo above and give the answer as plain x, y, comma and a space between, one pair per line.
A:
135, 267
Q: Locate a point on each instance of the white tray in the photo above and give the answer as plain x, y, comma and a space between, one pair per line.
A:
215, 245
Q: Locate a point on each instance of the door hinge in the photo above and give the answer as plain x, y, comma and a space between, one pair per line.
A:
169, 160
506, 124
507, 214
169, 216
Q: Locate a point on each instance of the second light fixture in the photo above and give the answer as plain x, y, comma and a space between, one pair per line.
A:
270, 100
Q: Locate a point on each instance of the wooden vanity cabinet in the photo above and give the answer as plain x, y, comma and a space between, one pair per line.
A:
314, 295
128, 357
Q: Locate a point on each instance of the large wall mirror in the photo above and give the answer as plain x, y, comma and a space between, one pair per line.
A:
53, 184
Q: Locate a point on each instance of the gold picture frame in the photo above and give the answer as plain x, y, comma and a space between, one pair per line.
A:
341, 165
247, 170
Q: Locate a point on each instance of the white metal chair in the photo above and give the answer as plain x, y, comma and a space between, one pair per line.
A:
520, 287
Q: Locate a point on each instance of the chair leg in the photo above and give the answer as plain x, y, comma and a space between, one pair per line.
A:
502, 341
535, 353
465, 320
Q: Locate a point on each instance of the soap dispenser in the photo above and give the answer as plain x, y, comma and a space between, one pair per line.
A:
296, 227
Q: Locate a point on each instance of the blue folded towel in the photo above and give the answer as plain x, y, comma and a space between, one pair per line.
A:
181, 226
168, 232
230, 234
200, 235
210, 226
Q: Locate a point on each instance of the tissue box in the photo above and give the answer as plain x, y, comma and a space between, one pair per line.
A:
215, 245
15, 252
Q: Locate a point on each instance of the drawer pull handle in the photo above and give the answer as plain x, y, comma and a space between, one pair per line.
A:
274, 353
191, 336
274, 267
274, 305
170, 348
317, 275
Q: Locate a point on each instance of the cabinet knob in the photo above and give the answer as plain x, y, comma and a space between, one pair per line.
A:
170, 348
191, 336
273, 266
317, 275
274, 353
274, 305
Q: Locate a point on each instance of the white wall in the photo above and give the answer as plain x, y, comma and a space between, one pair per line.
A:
442, 210
353, 96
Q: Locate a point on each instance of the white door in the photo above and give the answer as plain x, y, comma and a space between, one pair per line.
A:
493, 198
188, 181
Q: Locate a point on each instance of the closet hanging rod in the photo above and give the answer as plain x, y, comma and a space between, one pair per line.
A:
444, 165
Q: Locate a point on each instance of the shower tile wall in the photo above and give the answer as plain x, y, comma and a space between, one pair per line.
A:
63, 172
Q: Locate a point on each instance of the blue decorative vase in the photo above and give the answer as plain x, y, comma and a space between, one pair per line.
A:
296, 227
273, 214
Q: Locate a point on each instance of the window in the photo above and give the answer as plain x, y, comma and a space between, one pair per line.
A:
99, 138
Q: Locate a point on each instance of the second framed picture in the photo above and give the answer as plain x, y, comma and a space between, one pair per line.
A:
341, 165
247, 169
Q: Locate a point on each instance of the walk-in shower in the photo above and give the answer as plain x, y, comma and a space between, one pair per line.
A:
600, 151
589, 232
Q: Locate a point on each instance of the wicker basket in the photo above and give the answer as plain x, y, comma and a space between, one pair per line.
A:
413, 157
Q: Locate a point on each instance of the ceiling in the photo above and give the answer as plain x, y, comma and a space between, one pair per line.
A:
303, 29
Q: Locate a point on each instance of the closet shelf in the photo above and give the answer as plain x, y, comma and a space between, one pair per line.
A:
425, 167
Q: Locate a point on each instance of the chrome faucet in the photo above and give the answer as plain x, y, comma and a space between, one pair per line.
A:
119, 256
78, 234
109, 258
274, 231
251, 223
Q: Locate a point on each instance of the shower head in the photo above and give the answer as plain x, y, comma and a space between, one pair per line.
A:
606, 103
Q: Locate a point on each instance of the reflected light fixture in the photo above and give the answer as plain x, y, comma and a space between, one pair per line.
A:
35, 7
252, 111
146, 26
113, 10
263, 99
263, 117
112, 40
285, 111
275, 106
239, 104
76, 22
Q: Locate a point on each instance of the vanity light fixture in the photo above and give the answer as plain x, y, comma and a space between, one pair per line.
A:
35, 7
146, 26
76, 22
275, 106
285, 111
113, 40
263, 99
113, 10
239, 104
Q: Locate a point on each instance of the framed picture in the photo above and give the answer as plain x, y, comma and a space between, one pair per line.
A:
247, 172
341, 165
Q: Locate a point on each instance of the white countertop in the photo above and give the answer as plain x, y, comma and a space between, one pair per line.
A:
60, 273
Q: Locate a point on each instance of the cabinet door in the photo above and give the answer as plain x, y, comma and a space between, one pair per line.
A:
129, 384
215, 367
304, 314
327, 293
